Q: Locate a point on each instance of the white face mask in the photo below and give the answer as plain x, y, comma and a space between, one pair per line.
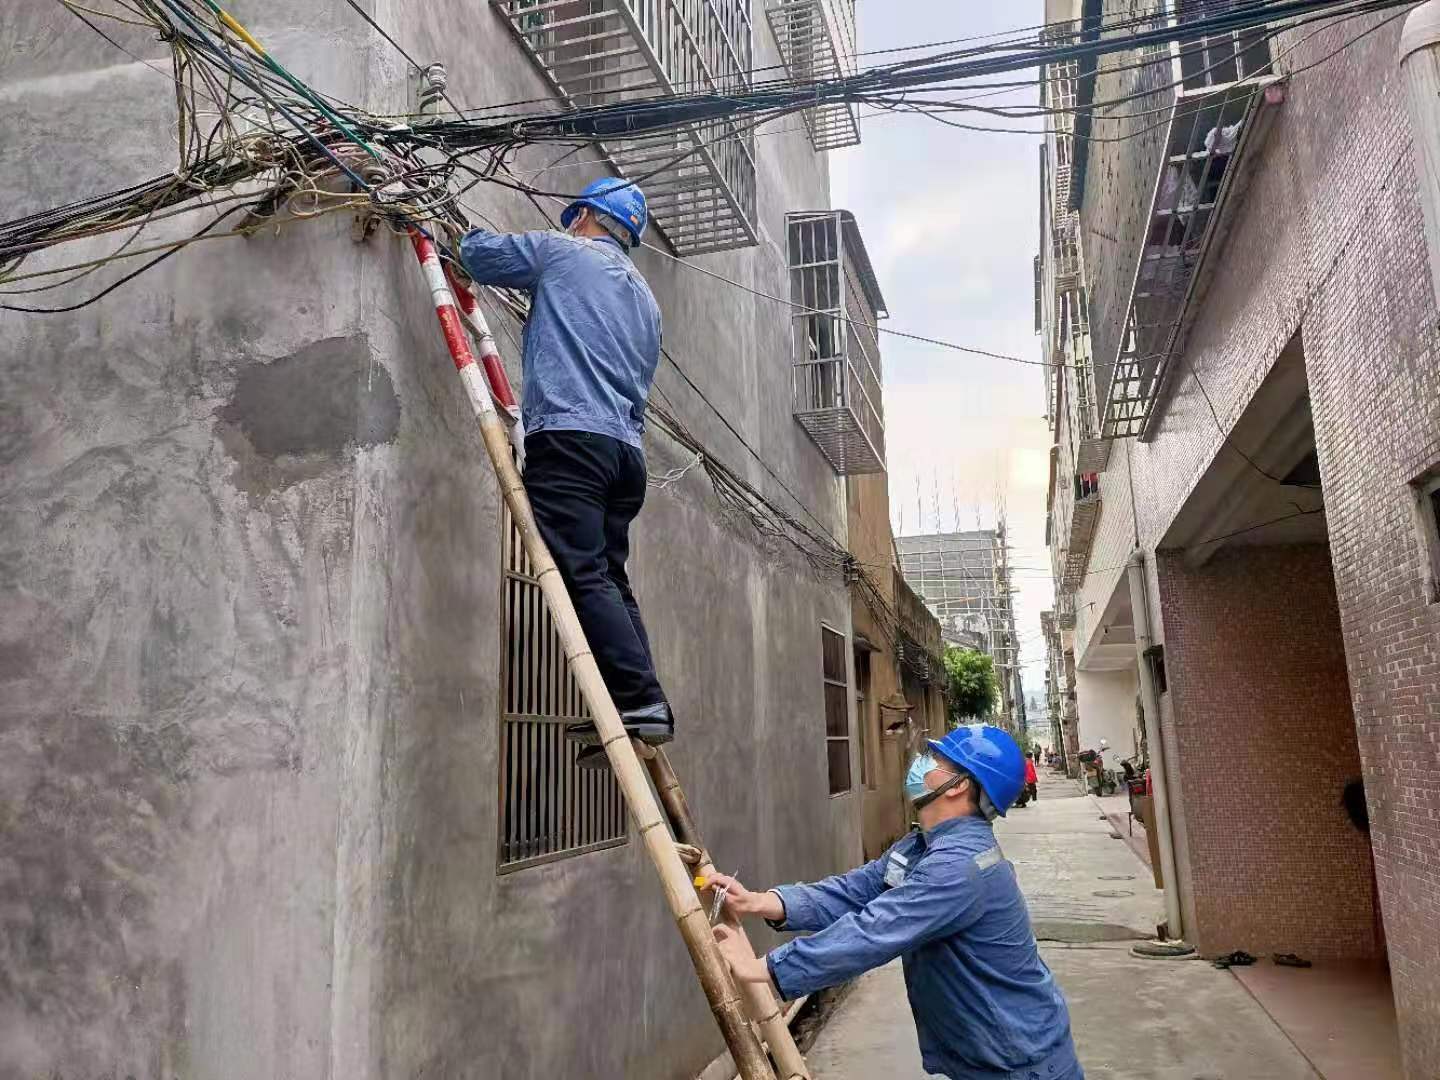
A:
916, 790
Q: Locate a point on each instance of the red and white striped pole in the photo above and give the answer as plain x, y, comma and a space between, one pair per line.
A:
451, 325
474, 320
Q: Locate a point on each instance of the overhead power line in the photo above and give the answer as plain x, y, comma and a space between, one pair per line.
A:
293, 134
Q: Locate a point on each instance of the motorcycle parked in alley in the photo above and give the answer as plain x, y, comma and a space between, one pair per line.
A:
1099, 780
1137, 784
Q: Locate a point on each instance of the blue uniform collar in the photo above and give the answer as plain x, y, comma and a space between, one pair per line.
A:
955, 825
612, 242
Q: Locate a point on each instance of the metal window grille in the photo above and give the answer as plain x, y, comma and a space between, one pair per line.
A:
1061, 86
1065, 250
837, 705
816, 39
1426, 491
1217, 59
549, 809
600, 52
835, 355
862, 714
1208, 133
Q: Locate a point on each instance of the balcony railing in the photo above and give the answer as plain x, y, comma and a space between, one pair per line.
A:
816, 39
1084, 518
1065, 251
1060, 97
1215, 125
600, 52
834, 352
1064, 610
1092, 448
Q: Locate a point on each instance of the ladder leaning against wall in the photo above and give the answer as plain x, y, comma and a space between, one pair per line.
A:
751, 1022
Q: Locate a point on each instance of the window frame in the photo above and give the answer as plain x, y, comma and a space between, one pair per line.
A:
1425, 500
863, 702
843, 685
577, 811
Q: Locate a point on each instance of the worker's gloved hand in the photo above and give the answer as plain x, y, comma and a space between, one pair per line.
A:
741, 901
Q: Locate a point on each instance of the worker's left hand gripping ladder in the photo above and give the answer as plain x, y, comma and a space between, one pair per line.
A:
655, 830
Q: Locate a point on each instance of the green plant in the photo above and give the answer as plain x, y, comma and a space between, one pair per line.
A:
973, 690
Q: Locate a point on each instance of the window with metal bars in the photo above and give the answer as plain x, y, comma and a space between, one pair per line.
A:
1224, 57
862, 714
549, 809
1426, 492
837, 709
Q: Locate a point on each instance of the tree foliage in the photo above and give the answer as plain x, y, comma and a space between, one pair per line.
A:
974, 690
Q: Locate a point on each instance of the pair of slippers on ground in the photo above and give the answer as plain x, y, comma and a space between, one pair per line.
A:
1240, 958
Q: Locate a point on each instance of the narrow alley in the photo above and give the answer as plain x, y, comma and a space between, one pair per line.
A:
509, 509
1134, 1018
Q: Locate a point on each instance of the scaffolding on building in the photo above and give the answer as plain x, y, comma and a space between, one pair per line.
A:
965, 580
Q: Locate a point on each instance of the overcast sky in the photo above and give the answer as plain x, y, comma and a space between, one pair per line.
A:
950, 219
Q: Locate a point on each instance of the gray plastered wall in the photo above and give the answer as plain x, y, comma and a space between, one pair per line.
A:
249, 623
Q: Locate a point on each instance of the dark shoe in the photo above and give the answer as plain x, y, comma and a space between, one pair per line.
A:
651, 724
585, 733
595, 757
1238, 958
592, 757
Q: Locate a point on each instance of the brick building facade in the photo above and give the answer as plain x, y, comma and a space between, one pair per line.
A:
1272, 483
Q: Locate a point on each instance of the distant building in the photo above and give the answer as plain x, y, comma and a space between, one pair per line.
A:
964, 579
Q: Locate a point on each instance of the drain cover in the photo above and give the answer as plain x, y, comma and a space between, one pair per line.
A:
1113, 894
1116, 877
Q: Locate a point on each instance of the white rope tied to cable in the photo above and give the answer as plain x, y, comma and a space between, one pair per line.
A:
674, 476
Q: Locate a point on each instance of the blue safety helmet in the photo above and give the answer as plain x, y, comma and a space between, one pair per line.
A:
617, 199
990, 755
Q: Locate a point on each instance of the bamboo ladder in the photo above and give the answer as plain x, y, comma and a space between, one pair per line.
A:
669, 836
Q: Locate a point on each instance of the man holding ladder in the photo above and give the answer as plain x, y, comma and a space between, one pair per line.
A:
946, 900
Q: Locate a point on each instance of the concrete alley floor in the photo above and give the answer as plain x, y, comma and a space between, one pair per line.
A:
1133, 1019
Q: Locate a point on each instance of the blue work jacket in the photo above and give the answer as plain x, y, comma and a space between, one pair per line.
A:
986, 1007
592, 341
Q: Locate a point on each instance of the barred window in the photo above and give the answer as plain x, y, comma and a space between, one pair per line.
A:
837, 709
1224, 57
549, 809
1426, 492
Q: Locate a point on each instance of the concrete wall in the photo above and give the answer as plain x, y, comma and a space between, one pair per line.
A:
1106, 700
249, 626
868, 511
1264, 743
886, 813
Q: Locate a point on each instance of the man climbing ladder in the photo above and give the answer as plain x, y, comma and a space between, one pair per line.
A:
591, 347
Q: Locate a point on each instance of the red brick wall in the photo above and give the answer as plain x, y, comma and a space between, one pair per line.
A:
1264, 742
1371, 356
1329, 241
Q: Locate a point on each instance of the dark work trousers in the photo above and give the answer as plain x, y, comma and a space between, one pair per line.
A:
586, 490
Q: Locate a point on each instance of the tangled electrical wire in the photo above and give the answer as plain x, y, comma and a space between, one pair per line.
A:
252, 134
254, 140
